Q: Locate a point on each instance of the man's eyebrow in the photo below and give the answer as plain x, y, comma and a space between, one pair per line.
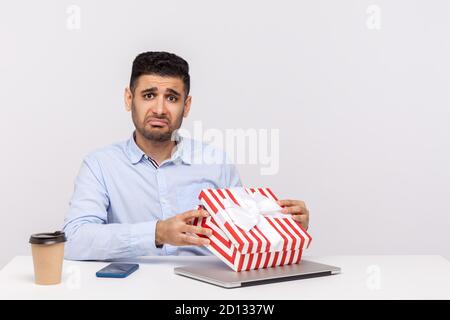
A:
174, 92
155, 89
149, 90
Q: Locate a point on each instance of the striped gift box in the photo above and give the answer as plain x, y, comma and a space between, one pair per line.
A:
276, 240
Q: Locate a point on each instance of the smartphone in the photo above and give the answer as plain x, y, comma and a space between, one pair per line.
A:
117, 270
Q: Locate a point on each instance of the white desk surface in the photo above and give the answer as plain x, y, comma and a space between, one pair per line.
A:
362, 277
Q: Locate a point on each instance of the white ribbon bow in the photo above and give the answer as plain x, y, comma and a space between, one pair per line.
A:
252, 207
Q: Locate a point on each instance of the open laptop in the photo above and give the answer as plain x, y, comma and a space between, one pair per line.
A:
217, 273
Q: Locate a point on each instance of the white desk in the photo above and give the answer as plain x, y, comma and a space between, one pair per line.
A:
363, 277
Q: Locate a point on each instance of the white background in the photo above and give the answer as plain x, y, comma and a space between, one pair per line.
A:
363, 114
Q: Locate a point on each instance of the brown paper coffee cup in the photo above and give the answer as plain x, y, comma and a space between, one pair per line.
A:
48, 254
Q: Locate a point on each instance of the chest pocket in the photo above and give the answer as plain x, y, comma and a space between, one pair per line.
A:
187, 195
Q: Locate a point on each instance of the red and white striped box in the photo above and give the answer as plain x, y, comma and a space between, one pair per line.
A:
276, 240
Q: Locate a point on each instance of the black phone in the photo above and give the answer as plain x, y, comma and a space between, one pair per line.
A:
117, 270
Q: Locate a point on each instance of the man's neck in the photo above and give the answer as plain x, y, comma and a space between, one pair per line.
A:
157, 150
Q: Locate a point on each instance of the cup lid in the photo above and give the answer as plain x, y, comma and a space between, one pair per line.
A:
48, 238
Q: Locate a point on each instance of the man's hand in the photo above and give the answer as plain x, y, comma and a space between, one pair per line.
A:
175, 230
298, 210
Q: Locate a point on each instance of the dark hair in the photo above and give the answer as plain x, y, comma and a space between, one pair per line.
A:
162, 64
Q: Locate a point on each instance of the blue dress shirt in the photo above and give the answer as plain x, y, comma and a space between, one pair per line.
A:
120, 194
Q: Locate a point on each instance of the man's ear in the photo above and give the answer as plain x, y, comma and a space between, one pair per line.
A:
128, 98
187, 106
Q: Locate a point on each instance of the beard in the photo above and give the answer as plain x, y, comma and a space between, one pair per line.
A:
155, 133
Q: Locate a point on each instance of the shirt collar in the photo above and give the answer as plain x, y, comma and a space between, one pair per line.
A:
181, 151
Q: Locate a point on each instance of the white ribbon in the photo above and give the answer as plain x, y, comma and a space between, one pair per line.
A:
251, 208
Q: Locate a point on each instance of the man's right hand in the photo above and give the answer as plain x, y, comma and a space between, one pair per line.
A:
175, 230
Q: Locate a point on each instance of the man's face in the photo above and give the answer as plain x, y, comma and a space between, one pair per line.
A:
158, 105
